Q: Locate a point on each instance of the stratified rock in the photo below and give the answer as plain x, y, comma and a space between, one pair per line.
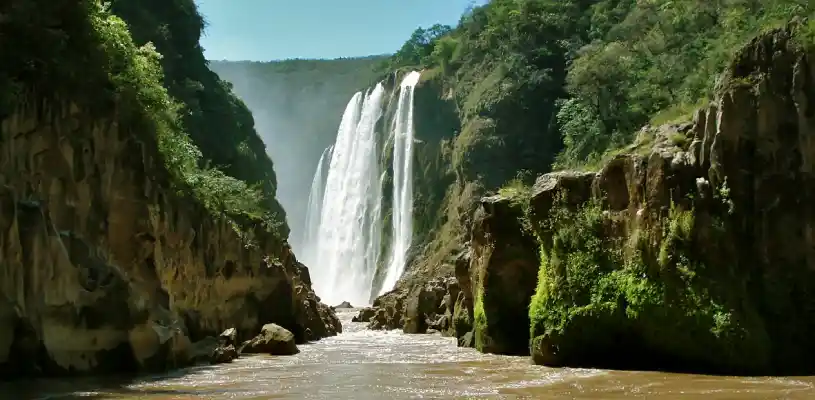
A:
504, 269
107, 265
116, 258
273, 339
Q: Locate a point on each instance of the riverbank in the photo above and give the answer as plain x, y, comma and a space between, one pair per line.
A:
363, 364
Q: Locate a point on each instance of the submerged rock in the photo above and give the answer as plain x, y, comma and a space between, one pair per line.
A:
273, 339
364, 315
344, 304
211, 350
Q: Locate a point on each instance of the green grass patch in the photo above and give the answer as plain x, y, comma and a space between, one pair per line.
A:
677, 113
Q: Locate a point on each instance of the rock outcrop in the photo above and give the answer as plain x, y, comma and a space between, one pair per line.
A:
426, 307
503, 271
105, 268
693, 251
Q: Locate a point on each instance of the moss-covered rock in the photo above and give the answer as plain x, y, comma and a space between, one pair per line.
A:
503, 269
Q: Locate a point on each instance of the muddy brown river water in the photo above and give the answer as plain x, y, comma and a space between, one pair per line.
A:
362, 364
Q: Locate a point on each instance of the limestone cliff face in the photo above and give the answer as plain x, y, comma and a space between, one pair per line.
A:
692, 251
103, 268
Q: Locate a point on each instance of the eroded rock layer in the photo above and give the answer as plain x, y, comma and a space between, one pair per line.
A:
106, 269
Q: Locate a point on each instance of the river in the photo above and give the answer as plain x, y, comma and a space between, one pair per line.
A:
362, 364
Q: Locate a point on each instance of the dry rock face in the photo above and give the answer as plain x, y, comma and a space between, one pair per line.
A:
102, 268
426, 307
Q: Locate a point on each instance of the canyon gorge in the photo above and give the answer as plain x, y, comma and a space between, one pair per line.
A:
547, 193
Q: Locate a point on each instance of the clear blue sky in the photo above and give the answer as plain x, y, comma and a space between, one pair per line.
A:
265, 30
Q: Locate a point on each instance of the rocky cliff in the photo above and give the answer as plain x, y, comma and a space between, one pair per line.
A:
691, 251
106, 264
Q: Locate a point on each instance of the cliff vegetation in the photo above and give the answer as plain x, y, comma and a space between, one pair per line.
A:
655, 248
120, 245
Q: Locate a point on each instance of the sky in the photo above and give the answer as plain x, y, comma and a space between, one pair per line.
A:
264, 30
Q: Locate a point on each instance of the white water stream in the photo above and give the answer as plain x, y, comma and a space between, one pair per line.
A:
345, 257
343, 233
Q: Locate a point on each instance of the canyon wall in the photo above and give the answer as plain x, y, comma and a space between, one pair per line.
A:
108, 263
690, 249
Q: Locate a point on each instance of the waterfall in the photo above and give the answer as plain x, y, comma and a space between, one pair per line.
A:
344, 221
315, 202
349, 232
402, 182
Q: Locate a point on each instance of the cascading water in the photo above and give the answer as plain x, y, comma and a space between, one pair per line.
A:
343, 233
315, 202
347, 240
402, 182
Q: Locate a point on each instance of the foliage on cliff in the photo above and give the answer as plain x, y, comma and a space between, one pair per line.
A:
604, 68
232, 159
87, 54
654, 60
542, 84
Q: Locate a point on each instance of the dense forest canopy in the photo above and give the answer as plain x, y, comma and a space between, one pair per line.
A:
219, 124
584, 75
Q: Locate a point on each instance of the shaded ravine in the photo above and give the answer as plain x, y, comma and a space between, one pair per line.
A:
363, 364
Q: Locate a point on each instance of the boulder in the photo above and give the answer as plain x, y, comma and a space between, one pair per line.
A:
228, 337
223, 355
273, 339
210, 350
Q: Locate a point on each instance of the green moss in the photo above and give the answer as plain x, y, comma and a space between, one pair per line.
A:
462, 323
681, 112
516, 189
480, 324
602, 301
805, 34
